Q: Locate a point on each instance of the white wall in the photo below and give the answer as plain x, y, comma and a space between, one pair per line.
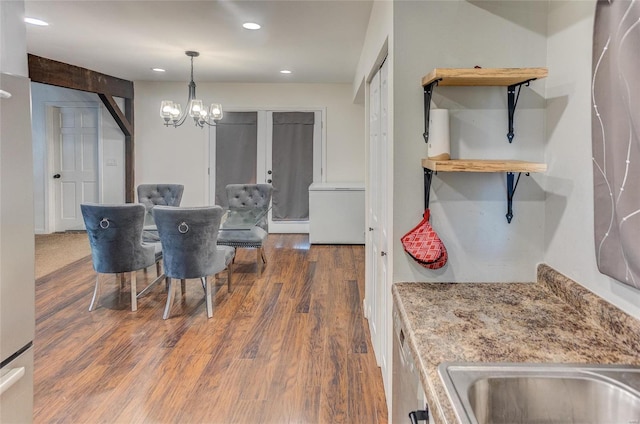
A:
468, 210
375, 46
569, 233
180, 155
13, 42
111, 148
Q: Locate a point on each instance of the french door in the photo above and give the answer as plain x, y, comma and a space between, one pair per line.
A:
283, 148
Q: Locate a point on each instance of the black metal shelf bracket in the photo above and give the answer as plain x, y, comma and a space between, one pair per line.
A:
512, 184
512, 102
428, 175
428, 92
419, 415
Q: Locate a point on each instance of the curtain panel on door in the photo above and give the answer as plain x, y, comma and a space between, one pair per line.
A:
236, 152
292, 158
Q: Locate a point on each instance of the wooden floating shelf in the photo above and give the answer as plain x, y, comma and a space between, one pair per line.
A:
483, 76
482, 165
513, 79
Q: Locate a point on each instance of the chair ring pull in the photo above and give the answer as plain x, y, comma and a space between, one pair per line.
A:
183, 228
104, 224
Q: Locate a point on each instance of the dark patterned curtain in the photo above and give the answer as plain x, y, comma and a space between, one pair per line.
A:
616, 139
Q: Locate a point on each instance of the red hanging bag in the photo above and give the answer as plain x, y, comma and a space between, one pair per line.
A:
424, 246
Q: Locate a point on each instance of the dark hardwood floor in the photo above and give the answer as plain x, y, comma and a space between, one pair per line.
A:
289, 347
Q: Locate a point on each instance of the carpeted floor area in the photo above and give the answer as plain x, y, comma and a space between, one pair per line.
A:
53, 251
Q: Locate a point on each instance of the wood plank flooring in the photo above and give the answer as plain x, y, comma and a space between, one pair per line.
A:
289, 347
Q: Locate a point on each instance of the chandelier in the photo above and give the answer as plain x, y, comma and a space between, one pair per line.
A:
173, 114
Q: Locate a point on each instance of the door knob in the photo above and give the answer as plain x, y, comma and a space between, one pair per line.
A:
370, 229
56, 176
269, 172
269, 181
383, 253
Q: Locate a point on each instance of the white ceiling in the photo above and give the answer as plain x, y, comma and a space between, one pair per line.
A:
319, 41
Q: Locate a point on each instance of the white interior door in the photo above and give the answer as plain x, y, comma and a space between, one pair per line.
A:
75, 170
383, 284
373, 242
377, 293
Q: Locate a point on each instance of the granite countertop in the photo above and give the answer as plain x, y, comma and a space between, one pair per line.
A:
552, 321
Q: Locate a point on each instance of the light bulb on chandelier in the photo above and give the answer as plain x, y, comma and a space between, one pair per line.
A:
172, 112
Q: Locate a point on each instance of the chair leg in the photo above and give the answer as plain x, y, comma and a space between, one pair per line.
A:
134, 298
183, 286
170, 295
259, 262
207, 285
229, 273
95, 301
120, 276
158, 269
264, 257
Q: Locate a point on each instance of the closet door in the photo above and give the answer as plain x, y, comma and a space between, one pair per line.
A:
377, 287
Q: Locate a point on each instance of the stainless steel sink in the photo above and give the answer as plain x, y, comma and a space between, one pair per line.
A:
543, 393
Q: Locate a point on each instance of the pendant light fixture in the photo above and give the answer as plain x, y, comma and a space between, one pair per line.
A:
174, 115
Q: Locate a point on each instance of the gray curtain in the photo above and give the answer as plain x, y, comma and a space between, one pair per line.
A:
616, 139
292, 156
236, 152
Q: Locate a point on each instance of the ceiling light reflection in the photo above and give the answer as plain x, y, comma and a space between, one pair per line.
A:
34, 21
251, 25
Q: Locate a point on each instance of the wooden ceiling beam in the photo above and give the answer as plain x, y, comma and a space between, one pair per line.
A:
117, 114
61, 74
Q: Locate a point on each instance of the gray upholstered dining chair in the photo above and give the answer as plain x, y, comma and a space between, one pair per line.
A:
115, 238
151, 195
253, 201
189, 244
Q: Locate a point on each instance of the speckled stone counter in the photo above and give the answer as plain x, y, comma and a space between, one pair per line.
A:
552, 321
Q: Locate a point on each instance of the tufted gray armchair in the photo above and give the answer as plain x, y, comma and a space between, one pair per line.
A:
151, 195
189, 241
254, 198
115, 237
252, 201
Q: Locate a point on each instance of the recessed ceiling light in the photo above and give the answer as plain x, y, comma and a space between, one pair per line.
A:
34, 21
285, 71
158, 70
251, 25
